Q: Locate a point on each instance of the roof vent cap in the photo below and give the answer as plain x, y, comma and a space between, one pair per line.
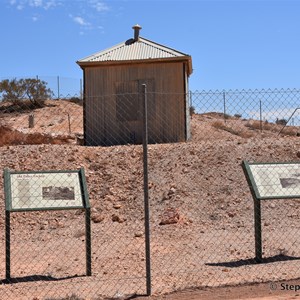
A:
136, 29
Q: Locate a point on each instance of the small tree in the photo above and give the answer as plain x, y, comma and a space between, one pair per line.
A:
192, 110
281, 121
16, 91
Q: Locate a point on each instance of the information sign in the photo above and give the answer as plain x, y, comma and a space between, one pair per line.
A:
270, 181
46, 190
38, 190
277, 180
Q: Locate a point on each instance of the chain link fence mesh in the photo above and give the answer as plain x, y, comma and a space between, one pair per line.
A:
201, 208
61, 87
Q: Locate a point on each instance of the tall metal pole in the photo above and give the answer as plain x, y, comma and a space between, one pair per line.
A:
146, 192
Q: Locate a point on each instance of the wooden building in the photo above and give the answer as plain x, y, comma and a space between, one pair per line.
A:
113, 81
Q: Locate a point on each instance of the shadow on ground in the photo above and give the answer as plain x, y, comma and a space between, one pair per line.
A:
253, 261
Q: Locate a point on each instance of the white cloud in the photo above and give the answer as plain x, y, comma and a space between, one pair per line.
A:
35, 3
98, 5
82, 12
44, 4
52, 3
273, 114
19, 4
81, 21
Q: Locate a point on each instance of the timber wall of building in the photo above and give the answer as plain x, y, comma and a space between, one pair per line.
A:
113, 103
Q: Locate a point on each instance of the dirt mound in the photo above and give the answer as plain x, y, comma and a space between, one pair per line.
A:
9, 136
57, 117
201, 211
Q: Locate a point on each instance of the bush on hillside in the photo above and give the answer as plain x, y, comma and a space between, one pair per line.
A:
21, 91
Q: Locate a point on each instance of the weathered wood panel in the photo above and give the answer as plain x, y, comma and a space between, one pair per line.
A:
109, 89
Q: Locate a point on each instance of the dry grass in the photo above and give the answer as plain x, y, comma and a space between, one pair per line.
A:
246, 134
222, 126
292, 131
257, 125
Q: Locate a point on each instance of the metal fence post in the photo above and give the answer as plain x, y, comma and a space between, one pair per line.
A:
31, 121
81, 90
146, 191
58, 87
69, 122
224, 104
260, 115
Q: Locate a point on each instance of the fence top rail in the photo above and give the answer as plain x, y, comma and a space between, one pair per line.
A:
248, 91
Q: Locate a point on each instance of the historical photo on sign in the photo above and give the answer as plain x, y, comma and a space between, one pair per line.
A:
290, 182
45, 190
276, 180
58, 193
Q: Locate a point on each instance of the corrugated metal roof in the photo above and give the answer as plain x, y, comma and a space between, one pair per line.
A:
134, 50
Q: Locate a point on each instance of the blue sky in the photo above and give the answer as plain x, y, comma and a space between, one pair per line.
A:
233, 44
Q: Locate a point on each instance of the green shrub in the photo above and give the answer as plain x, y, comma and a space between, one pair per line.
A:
18, 91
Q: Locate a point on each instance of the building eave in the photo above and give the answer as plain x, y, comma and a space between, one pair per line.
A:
185, 59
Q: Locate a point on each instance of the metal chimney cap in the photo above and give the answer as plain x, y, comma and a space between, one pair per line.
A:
136, 29
136, 26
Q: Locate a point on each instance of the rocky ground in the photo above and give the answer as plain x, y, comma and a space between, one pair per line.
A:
200, 207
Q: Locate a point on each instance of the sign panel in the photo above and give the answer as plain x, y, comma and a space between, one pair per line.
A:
270, 181
45, 190
275, 180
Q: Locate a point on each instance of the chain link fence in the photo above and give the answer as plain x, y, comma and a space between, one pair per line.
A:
169, 212
61, 87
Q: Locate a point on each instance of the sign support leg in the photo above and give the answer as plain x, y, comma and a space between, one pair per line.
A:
7, 245
88, 242
257, 224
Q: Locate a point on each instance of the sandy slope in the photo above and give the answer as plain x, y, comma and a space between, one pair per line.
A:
198, 186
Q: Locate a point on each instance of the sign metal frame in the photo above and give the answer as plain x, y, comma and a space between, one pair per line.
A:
259, 194
71, 201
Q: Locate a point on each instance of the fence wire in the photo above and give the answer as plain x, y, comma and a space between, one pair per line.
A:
61, 87
201, 207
